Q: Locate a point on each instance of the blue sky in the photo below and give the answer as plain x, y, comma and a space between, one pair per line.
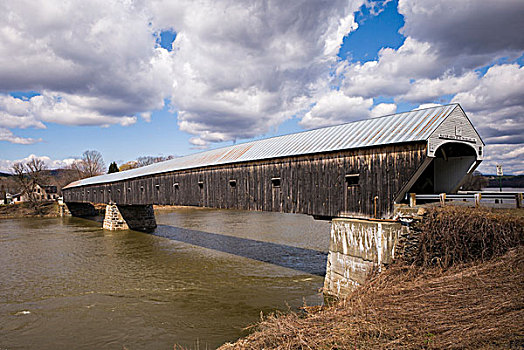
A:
172, 78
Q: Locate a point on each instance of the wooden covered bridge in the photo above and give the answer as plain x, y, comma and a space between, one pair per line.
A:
358, 169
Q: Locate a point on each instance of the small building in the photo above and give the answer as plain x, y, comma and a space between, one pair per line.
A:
7, 199
41, 193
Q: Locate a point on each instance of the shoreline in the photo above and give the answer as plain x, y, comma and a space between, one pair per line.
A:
25, 211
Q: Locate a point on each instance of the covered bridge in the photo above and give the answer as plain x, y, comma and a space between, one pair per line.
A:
358, 169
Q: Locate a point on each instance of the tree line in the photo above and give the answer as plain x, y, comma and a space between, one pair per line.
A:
25, 176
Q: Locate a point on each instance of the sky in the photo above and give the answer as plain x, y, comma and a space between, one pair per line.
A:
133, 78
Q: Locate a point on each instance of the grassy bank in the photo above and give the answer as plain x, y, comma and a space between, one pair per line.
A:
25, 210
464, 290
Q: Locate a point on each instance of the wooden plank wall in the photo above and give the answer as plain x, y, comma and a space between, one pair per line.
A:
310, 184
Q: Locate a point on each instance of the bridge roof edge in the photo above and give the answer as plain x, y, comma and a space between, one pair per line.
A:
412, 126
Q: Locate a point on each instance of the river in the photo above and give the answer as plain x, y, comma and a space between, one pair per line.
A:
197, 281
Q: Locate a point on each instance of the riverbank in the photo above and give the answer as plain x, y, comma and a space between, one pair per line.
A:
25, 210
469, 296
468, 307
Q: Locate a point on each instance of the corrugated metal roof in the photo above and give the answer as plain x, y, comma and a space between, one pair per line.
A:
411, 126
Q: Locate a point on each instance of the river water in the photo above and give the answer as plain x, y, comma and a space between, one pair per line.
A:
197, 281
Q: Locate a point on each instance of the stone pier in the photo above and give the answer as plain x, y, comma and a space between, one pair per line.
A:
118, 217
113, 220
137, 217
63, 210
357, 247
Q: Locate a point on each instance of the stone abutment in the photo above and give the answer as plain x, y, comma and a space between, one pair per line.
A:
358, 247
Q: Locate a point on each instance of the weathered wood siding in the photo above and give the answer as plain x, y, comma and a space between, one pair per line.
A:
459, 128
309, 184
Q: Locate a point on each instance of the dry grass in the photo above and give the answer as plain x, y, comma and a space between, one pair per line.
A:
452, 235
467, 292
25, 210
466, 307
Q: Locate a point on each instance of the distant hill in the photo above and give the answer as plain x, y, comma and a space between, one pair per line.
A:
52, 177
59, 172
507, 181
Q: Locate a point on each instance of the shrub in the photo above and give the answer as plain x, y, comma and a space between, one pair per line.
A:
451, 235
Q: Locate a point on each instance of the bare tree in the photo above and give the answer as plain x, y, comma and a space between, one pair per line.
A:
28, 176
91, 164
64, 176
475, 182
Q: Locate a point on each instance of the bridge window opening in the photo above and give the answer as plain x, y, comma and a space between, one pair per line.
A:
275, 182
142, 188
157, 187
201, 184
233, 183
129, 189
101, 191
176, 185
118, 190
109, 191
87, 191
352, 180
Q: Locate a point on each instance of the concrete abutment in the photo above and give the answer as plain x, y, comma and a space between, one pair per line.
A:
358, 247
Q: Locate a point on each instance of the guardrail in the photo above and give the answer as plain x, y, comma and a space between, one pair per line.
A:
475, 197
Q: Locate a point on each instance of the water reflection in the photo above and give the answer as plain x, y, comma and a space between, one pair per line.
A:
302, 259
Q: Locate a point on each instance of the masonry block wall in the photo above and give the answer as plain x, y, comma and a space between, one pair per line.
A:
138, 217
113, 220
357, 247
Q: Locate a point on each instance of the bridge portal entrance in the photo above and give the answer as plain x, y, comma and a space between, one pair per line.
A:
445, 172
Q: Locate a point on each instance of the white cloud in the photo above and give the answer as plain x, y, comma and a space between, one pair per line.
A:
392, 73
509, 155
427, 105
241, 69
496, 104
66, 109
383, 109
6, 165
146, 116
7, 135
430, 89
236, 69
336, 108
445, 39
472, 32
94, 63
